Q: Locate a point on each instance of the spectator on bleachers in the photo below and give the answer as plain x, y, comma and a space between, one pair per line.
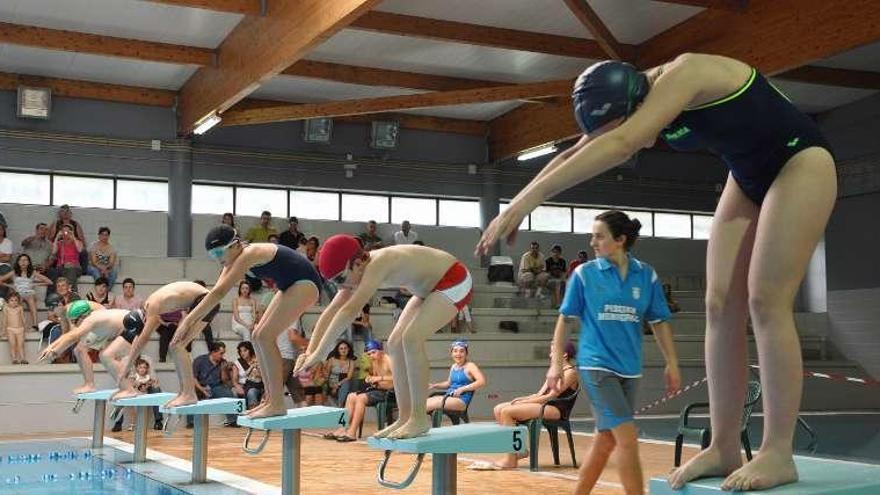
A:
100, 293
38, 247
102, 258
556, 267
13, 313
532, 273
250, 382
245, 312
262, 231
291, 342
128, 300
292, 236
207, 370
582, 258
228, 219
312, 245
24, 278
274, 239
465, 377
405, 235
361, 325
144, 382
66, 255
6, 249
522, 409
370, 237
340, 368
57, 303
312, 382
380, 383
65, 217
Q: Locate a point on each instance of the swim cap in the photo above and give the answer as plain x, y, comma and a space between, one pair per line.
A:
372, 345
219, 239
606, 91
78, 309
459, 343
335, 254
134, 321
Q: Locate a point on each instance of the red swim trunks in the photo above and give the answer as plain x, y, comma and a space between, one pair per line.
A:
456, 285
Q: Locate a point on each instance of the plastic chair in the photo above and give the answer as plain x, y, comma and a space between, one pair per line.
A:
456, 417
552, 426
753, 394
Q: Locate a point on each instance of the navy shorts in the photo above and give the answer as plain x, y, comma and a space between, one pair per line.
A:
612, 397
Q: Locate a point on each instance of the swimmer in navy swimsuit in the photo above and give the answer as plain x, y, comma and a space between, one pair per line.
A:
298, 286
773, 211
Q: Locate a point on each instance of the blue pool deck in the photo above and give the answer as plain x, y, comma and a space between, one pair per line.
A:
68, 466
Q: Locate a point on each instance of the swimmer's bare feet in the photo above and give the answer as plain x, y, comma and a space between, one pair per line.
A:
181, 400
88, 387
384, 432
768, 469
411, 429
124, 394
708, 463
268, 410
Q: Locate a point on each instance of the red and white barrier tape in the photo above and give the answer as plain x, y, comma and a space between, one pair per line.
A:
672, 395
837, 377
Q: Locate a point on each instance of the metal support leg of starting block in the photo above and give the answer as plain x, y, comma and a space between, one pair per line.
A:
291, 426
200, 412
99, 397
444, 474
143, 411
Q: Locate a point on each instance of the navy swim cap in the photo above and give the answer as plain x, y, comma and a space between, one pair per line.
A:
607, 91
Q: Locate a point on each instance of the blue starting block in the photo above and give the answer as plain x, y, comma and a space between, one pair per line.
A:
444, 444
291, 425
201, 410
100, 397
143, 411
817, 476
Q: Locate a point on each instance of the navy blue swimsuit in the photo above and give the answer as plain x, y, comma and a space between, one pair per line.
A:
287, 268
755, 130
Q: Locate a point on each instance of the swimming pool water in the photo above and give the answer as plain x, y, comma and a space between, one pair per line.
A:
60, 467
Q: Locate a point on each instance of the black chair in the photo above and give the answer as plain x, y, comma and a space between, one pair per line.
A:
552, 427
753, 394
384, 413
456, 417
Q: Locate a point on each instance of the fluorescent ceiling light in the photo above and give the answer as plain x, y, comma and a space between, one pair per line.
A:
536, 152
206, 124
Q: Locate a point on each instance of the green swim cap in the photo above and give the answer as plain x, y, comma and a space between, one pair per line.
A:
78, 309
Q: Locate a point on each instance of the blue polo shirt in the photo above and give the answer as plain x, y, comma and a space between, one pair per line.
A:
611, 311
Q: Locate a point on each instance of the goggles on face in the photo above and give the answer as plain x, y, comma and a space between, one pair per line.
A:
343, 276
217, 253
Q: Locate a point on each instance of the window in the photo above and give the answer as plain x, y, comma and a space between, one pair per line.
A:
212, 199
141, 195
314, 205
89, 192
30, 189
525, 223
702, 226
420, 211
251, 201
675, 225
647, 220
459, 213
362, 207
551, 219
584, 218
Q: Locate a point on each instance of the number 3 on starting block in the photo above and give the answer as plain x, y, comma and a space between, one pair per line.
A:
239, 407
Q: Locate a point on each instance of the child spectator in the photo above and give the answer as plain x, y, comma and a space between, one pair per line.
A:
145, 383
15, 328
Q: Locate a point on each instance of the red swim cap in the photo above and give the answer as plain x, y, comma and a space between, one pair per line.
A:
335, 254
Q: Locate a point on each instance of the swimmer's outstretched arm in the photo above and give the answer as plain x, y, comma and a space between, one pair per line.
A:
326, 317
66, 340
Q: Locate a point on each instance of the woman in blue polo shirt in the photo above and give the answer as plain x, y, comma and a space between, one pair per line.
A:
611, 296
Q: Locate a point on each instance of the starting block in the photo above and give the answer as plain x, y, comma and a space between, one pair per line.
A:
200, 412
817, 476
143, 405
291, 425
444, 444
100, 397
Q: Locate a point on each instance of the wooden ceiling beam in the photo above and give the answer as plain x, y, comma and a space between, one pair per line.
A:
407, 121
396, 103
91, 90
597, 28
246, 7
473, 34
369, 76
773, 35
827, 76
260, 48
730, 5
72, 41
